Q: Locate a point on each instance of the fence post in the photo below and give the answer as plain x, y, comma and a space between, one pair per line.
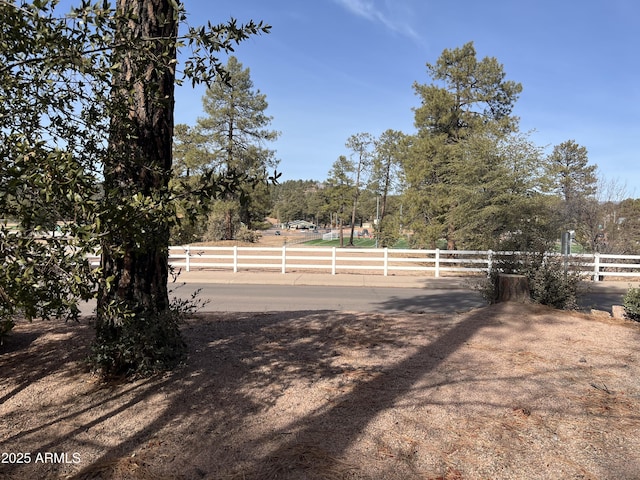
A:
386, 261
489, 262
596, 267
333, 260
437, 272
187, 260
235, 259
284, 258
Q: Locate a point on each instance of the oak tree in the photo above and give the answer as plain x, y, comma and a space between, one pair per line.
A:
86, 126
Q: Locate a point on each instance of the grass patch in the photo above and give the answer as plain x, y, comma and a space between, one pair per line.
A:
357, 242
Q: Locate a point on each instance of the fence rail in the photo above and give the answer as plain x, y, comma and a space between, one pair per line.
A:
332, 259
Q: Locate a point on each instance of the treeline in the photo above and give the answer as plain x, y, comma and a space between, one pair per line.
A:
468, 178
608, 227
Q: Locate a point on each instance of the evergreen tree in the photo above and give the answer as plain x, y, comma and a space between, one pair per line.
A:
237, 130
297, 200
570, 177
190, 158
190, 155
340, 190
507, 209
569, 174
385, 180
360, 145
390, 151
468, 105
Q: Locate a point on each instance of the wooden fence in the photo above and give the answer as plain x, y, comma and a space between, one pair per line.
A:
382, 260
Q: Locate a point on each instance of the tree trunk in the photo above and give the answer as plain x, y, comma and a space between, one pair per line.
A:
512, 288
353, 217
137, 173
451, 242
356, 196
385, 190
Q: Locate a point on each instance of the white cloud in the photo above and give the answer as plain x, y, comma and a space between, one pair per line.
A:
384, 15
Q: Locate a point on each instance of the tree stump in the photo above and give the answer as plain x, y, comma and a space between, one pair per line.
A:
512, 288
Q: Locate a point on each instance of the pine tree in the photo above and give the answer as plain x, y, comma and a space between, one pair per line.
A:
469, 104
340, 190
570, 177
390, 151
360, 145
237, 132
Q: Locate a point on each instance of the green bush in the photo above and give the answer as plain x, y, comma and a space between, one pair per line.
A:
6, 325
141, 344
632, 304
549, 284
138, 345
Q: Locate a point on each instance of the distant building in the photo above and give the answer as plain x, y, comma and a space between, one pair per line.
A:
299, 225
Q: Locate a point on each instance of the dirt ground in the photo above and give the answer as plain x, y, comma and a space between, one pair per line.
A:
504, 392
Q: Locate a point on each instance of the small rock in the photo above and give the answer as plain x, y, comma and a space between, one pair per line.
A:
600, 313
618, 311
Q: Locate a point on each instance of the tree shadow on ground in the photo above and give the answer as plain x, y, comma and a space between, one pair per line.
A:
435, 301
215, 388
25, 359
204, 420
344, 420
242, 365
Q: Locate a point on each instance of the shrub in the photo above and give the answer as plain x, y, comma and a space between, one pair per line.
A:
245, 235
136, 344
549, 283
631, 303
6, 325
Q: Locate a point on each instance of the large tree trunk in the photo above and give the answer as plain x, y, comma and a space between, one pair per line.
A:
512, 288
137, 172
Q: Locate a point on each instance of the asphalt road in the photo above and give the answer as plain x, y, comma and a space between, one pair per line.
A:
264, 298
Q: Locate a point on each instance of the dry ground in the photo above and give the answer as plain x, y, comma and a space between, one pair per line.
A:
508, 391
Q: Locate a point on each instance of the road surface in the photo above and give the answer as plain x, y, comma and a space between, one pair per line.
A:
263, 298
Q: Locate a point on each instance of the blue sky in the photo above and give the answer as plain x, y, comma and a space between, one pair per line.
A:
332, 68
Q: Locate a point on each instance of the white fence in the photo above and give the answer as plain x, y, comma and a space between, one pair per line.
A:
331, 259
